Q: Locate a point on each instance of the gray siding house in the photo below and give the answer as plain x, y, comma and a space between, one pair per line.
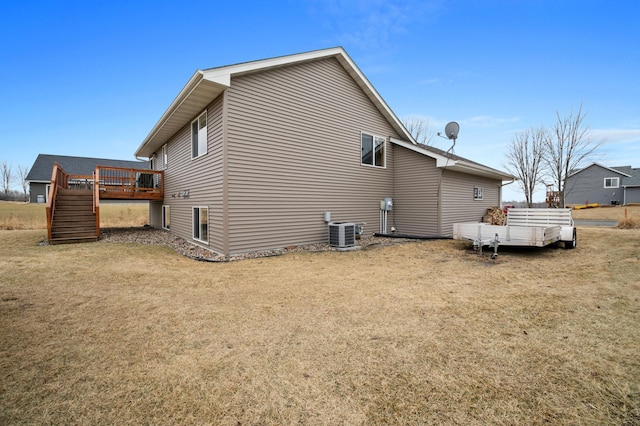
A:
603, 185
254, 154
39, 176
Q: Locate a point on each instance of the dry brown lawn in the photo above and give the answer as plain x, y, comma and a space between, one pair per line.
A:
416, 333
14, 215
608, 213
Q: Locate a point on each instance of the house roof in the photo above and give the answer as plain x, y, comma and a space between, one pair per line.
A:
632, 178
612, 169
43, 166
456, 163
205, 85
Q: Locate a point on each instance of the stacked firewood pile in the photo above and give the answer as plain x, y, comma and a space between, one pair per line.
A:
494, 216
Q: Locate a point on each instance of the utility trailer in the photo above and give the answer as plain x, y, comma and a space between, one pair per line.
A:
524, 227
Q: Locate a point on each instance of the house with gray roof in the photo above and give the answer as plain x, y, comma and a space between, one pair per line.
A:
603, 185
39, 177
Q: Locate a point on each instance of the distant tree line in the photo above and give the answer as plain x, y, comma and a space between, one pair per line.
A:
8, 178
547, 156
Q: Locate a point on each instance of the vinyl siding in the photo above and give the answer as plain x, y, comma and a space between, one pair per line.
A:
587, 186
458, 205
202, 177
415, 204
294, 152
36, 189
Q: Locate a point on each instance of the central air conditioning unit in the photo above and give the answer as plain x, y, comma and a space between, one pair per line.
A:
342, 234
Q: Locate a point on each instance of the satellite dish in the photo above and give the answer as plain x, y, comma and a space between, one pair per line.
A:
451, 130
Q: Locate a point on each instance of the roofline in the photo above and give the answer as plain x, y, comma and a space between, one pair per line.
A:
213, 81
599, 165
459, 165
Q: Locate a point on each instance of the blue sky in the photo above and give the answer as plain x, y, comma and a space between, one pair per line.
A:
91, 78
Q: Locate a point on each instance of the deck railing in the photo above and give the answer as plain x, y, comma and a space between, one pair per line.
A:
96, 203
59, 179
124, 183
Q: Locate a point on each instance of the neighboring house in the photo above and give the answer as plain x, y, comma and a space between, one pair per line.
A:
603, 185
39, 177
255, 154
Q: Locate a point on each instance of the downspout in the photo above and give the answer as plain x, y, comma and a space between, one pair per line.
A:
439, 201
503, 185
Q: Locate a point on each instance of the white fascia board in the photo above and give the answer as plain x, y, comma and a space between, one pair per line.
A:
265, 64
193, 86
480, 170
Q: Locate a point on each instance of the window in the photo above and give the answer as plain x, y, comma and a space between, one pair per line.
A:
165, 156
166, 217
199, 135
373, 150
611, 182
200, 222
477, 193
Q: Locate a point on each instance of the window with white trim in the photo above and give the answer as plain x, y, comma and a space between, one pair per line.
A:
199, 135
166, 217
165, 156
612, 182
200, 224
373, 150
477, 193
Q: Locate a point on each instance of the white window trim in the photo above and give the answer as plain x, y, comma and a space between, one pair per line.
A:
200, 132
193, 223
478, 193
614, 179
384, 157
164, 219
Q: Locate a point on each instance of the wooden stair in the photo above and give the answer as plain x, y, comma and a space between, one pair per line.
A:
74, 220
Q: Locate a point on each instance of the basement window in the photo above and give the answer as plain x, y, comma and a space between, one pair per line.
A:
373, 150
612, 182
477, 193
200, 224
166, 217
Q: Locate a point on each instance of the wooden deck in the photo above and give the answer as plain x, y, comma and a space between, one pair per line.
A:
74, 200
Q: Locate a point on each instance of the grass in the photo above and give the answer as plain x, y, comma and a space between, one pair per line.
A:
607, 213
15, 215
418, 333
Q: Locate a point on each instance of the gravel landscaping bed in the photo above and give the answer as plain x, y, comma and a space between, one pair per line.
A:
150, 235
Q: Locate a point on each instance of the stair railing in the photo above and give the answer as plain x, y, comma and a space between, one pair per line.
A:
59, 179
96, 199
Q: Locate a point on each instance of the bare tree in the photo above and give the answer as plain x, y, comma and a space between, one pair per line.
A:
419, 128
525, 159
23, 171
568, 148
6, 176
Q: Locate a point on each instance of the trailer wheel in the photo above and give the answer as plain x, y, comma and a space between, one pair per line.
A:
574, 241
494, 255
